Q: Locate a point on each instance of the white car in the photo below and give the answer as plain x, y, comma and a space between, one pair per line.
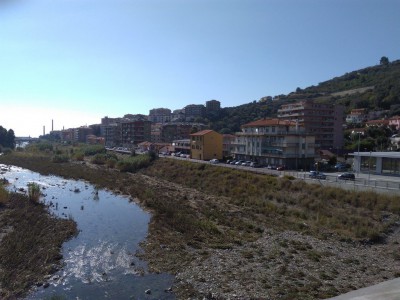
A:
214, 161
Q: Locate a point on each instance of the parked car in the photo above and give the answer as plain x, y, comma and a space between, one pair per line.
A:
341, 167
246, 163
233, 162
346, 176
255, 165
214, 161
280, 168
316, 175
239, 162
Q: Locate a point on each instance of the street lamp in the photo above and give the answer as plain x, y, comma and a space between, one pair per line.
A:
358, 150
369, 167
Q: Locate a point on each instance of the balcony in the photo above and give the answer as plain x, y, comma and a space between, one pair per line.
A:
277, 132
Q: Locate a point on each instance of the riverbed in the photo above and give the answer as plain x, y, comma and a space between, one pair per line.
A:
99, 263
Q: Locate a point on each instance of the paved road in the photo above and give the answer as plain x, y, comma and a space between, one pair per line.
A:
388, 290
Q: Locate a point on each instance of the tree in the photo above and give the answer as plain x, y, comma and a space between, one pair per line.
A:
7, 138
384, 61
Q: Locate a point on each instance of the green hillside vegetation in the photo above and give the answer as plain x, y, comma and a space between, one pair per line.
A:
373, 88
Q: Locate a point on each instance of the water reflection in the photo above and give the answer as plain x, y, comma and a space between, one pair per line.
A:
100, 262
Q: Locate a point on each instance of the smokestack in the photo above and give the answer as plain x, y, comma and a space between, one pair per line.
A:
52, 124
44, 130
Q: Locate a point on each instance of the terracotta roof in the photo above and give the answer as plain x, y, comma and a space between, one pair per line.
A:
269, 122
385, 122
203, 132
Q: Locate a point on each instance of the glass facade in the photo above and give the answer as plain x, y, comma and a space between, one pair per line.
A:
390, 166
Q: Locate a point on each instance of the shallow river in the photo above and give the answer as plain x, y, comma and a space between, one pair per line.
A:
99, 262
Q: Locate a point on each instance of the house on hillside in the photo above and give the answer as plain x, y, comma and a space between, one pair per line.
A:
206, 145
357, 116
394, 122
377, 123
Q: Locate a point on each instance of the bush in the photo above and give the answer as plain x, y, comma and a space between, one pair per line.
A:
99, 159
92, 150
60, 158
6, 151
111, 163
3, 195
44, 146
134, 163
33, 192
79, 156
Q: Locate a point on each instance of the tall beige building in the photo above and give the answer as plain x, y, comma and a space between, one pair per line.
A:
324, 121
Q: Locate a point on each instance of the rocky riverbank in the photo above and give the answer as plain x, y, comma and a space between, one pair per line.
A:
229, 234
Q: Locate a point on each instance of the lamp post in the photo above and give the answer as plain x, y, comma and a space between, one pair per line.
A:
369, 167
359, 157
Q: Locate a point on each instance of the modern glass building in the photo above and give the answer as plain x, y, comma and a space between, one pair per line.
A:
382, 163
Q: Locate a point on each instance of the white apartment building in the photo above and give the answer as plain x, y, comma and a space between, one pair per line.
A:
276, 142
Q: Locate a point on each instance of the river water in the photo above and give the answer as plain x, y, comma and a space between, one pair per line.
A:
99, 263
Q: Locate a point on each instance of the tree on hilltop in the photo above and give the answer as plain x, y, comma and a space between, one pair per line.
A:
384, 61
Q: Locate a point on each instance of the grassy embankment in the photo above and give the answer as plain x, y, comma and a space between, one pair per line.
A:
244, 205
30, 243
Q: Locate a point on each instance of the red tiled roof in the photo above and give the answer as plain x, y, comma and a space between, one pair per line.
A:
203, 132
269, 122
378, 122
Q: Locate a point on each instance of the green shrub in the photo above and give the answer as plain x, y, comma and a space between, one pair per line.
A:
99, 159
94, 149
111, 163
33, 192
3, 195
44, 146
79, 156
60, 158
6, 151
134, 163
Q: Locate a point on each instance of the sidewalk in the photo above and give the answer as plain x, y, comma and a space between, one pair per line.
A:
388, 290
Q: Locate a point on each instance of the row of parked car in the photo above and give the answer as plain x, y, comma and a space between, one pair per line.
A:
320, 175
253, 164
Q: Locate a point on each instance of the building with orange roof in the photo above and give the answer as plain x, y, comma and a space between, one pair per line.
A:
206, 145
276, 142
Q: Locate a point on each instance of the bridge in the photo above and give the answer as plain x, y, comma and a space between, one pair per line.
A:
22, 139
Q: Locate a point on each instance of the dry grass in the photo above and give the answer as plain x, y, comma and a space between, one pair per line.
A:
198, 208
32, 248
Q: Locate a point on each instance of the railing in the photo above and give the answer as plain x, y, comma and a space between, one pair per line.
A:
276, 132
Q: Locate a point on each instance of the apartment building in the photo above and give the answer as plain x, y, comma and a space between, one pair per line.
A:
206, 145
135, 132
276, 142
111, 134
166, 133
160, 115
213, 105
228, 144
324, 121
193, 111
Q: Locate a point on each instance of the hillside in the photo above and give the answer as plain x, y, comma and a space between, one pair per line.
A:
374, 88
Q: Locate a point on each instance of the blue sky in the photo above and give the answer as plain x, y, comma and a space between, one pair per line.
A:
76, 61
